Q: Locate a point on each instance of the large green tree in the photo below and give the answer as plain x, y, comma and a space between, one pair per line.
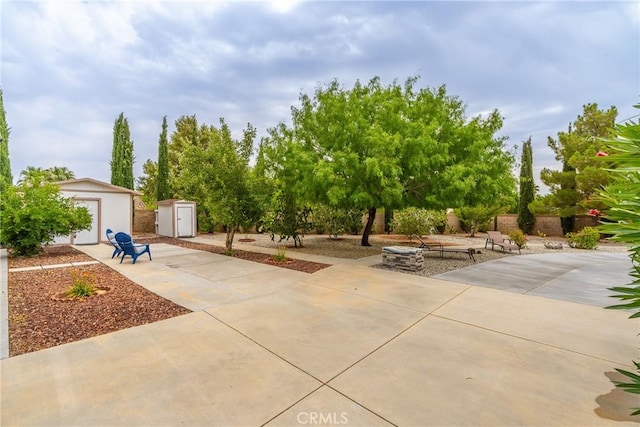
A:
390, 146
582, 175
122, 154
5, 166
526, 218
163, 189
214, 171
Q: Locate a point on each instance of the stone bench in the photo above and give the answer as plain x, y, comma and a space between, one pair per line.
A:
403, 258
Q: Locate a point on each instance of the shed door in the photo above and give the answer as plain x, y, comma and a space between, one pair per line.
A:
91, 236
185, 221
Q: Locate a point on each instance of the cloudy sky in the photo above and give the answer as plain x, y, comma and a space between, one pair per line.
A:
69, 68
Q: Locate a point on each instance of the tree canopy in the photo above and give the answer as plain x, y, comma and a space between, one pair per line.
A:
393, 146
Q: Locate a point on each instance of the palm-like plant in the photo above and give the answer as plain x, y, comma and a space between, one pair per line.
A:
34, 174
623, 221
60, 173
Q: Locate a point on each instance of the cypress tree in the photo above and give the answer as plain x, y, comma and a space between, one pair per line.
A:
163, 191
5, 165
526, 218
122, 154
116, 152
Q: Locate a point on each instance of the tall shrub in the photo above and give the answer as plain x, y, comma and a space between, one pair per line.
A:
473, 218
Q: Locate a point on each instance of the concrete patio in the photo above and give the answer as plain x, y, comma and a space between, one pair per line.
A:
348, 345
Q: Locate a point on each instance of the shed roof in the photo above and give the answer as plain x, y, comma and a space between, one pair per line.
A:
73, 184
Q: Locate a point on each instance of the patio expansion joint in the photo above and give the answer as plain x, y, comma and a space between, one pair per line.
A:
532, 341
322, 383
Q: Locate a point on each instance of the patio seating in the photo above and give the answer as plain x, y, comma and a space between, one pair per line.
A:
112, 239
130, 248
495, 238
438, 247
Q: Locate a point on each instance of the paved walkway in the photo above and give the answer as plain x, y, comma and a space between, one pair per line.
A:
348, 345
579, 277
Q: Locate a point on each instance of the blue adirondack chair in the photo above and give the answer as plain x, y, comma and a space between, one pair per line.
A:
112, 239
130, 248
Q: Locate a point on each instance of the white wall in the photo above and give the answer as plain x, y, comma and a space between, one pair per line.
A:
165, 220
116, 207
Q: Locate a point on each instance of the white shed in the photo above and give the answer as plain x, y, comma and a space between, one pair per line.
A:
176, 218
110, 206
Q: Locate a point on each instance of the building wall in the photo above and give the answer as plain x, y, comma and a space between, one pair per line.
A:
165, 220
115, 210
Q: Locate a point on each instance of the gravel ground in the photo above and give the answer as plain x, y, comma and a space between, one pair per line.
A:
349, 247
40, 318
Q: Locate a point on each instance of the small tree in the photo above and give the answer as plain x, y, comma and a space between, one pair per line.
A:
216, 173
289, 219
474, 217
33, 213
526, 219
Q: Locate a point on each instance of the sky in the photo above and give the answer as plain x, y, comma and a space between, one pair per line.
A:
69, 68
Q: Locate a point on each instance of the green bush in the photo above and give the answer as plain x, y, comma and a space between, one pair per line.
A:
475, 218
518, 237
83, 285
587, 238
411, 221
281, 256
33, 213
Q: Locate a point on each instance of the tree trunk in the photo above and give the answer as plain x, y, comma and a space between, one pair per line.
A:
231, 232
567, 223
368, 227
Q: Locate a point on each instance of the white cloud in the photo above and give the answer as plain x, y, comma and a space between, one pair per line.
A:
69, 68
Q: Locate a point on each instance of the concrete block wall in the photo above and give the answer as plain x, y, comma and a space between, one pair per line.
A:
547, 224
144, 221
